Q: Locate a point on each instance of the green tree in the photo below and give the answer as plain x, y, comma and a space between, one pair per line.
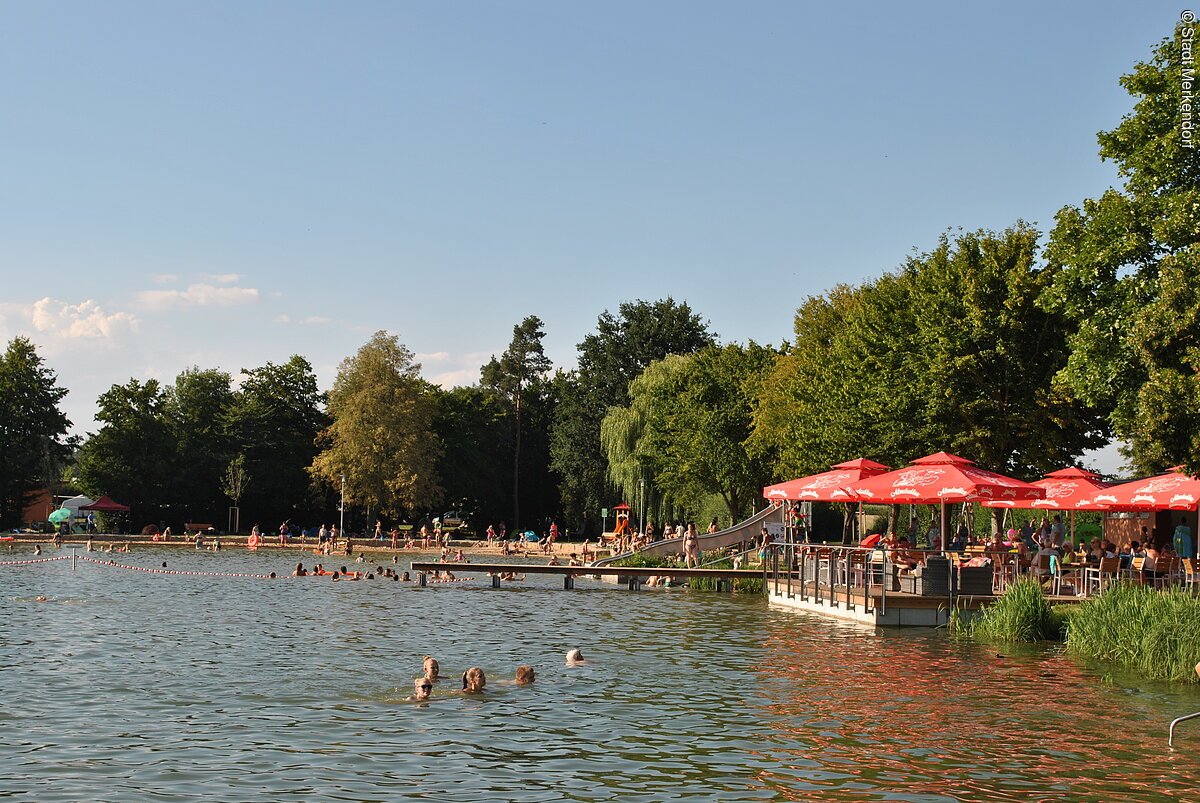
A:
381, 438
523, 363
33, 430
951, 353
1129, 272
473, 425
276, 415
617, 352
130, 457
196, 410
685, 431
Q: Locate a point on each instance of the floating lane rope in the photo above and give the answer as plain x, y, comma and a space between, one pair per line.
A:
33, 561
157, 570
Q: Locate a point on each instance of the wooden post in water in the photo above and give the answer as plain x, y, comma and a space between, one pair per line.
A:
568, 582
421, 579
495, 581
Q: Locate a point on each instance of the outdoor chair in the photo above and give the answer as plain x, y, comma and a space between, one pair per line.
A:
1134, 572
1190, 579
1099, 577
1165, 571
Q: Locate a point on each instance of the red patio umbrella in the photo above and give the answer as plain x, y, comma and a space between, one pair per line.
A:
939, 479
1066, 489
1174, 490
828, 486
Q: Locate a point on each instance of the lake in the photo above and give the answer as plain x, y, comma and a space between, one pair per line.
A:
127, 685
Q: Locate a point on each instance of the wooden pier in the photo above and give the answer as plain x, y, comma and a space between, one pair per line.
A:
634, 576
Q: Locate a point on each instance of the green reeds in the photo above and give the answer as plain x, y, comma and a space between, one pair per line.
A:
1021, 615
1156, 633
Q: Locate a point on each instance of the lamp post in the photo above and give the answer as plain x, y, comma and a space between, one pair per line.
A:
342, 509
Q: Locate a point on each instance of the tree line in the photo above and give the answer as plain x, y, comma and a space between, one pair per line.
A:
1018, 354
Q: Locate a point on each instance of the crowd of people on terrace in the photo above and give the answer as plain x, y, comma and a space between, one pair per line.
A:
1041, 546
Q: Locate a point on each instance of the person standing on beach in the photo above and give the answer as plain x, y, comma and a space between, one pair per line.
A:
691, 547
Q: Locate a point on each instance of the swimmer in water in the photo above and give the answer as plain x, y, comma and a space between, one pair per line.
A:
431, 667
473, 681
406, 578
524, 675
37, 549
41, 599
574, 658
422, 688
299, 571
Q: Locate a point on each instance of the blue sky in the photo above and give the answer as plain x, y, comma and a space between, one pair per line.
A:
226, 184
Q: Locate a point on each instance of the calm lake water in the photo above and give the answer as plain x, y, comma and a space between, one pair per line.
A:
133, 686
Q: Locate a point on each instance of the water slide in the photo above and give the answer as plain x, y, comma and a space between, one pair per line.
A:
747, 530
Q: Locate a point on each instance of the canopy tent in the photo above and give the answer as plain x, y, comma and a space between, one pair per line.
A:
942, 478
105, 504
828, 486
74, 503
1174, 490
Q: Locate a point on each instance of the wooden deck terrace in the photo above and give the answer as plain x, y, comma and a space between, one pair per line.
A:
634, 575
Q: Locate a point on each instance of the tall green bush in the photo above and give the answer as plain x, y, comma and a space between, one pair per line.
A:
1156, 633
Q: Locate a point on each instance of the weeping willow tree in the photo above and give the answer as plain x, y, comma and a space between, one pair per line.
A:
685, 430
632, 444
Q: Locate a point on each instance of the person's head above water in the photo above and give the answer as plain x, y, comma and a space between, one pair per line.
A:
431, 667
524, 674
473, 680
574, 657
422, 688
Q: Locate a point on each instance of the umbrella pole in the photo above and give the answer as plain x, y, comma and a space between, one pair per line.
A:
942, 526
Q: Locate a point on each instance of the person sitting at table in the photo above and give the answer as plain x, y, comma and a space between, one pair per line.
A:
958, 542
901, 554
1150, 562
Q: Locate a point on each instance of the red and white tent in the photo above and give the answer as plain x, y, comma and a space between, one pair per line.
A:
1065, 489
828, 486
1171, 491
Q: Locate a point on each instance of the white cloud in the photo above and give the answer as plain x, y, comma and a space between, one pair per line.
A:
311, 320
87, 320
453, 369
164, 278
452, 379
197, 295
221, 278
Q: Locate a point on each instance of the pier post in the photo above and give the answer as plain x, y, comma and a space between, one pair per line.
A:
635, 583
568, 582
495, 581
421, 579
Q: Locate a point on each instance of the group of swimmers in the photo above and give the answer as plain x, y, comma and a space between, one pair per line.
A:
474, 680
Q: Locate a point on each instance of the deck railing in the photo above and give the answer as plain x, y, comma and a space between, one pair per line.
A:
849, 577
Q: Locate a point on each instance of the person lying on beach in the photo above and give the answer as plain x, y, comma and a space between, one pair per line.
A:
473, 681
